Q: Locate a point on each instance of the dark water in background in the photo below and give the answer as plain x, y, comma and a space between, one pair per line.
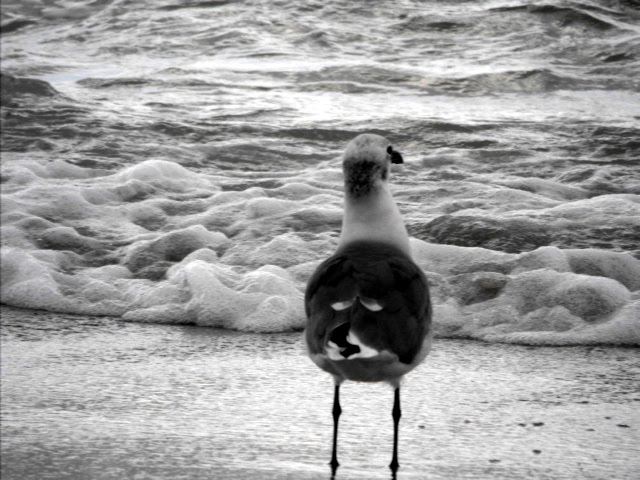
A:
179, 161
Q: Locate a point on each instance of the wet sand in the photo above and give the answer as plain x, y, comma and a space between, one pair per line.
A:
97, 398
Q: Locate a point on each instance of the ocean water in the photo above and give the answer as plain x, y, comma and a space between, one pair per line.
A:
179, 162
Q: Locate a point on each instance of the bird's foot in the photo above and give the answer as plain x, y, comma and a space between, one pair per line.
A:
394, 465
334, 466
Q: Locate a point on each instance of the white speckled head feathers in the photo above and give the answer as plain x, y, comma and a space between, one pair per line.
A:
370, 211
367, 160
367, 146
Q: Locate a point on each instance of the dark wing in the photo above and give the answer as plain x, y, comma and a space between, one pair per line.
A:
330, 283
375, 272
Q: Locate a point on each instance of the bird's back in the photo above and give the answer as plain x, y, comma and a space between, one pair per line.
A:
367, 303
368, 306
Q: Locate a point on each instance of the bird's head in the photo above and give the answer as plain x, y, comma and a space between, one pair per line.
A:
366, 163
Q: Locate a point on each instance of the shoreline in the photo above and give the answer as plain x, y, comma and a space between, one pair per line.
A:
87, 397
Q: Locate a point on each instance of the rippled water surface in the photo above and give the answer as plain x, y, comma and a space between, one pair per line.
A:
179, 162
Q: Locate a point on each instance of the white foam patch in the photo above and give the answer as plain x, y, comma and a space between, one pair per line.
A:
284, 250
447, 259
267, 217
12, 236
67, 238
31, 283
540, 299
147, 216
265, 300
162, 174
622, 329
265, 207
56, 203
172, 246
619, 266
157, 242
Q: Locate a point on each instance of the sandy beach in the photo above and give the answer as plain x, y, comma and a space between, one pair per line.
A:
98, 398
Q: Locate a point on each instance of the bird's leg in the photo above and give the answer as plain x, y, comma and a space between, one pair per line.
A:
396, 420
336, 415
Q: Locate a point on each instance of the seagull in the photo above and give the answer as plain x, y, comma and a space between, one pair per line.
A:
368, 306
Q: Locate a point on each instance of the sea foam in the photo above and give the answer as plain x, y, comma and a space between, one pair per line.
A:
157, 242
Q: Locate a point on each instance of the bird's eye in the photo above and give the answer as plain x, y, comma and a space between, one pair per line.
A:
395, 156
